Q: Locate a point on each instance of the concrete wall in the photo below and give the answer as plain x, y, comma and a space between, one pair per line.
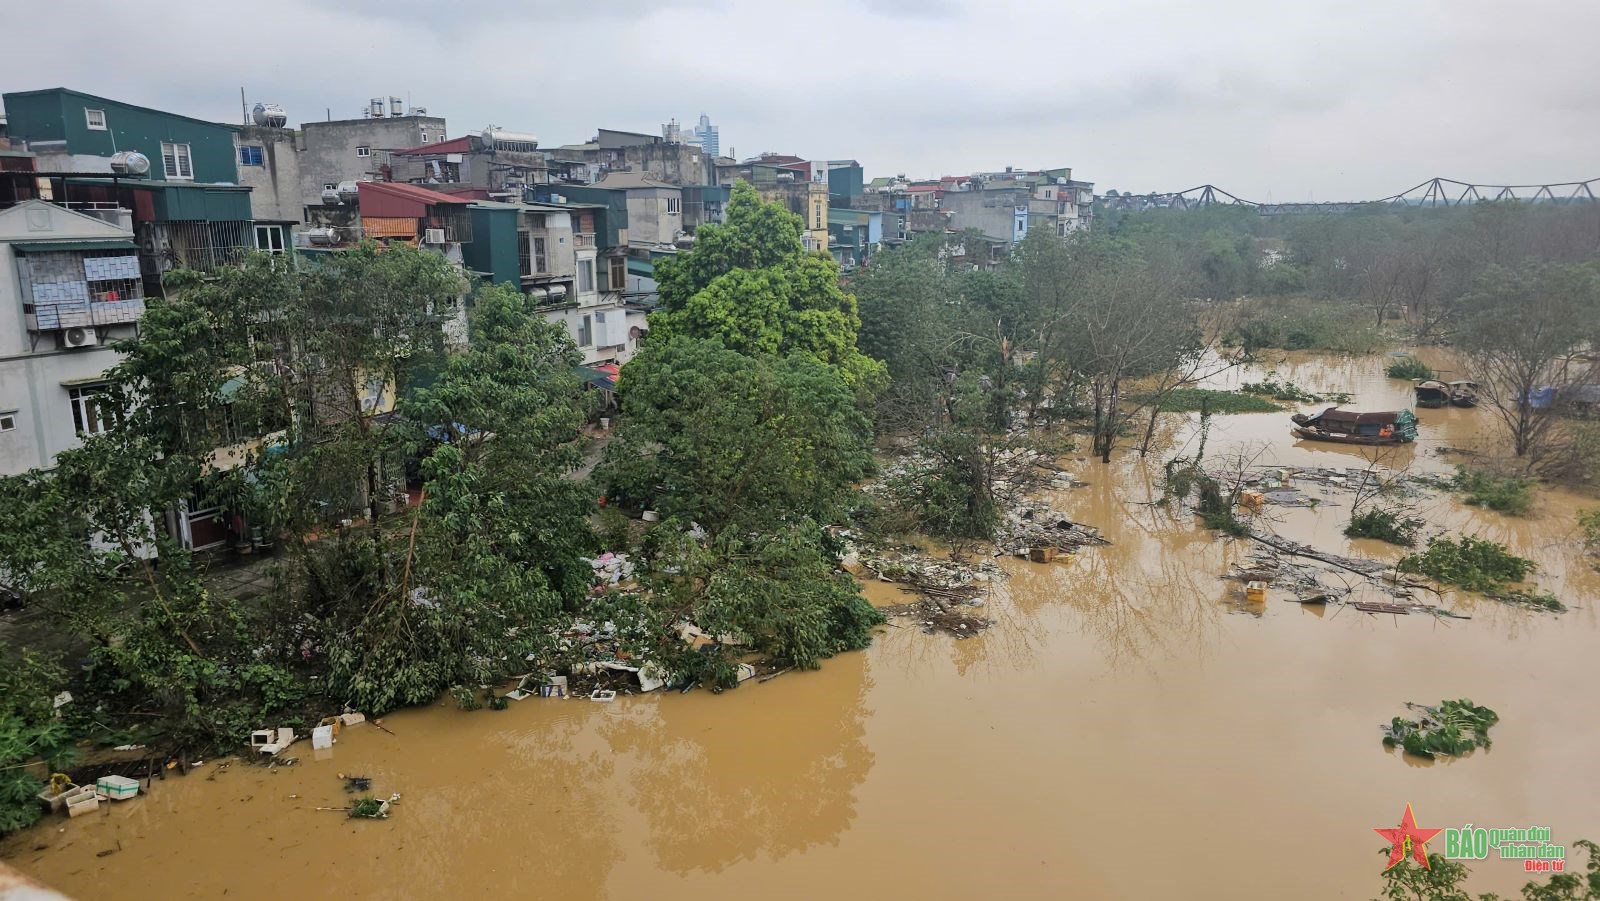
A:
330, 148
33, 373
275, 184
649, 221
991, 212
571, 319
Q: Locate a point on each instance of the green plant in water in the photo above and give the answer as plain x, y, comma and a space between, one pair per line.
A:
1506, 494
1475, 564
1283, 389
1392, 526
1589, 527
1453, 728
1191, 400
1409, 368
1441, 880
367, 808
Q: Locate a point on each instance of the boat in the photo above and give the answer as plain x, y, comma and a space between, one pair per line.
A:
1432, 393
1463, 393
1350, 427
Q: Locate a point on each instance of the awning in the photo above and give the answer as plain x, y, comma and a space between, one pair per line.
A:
59, 246
598, 377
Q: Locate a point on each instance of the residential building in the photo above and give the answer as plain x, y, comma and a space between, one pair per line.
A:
175, 175
655, 208
71, 131
69, 286
348, 150
630, 151
854, 235
268, 161
496, 161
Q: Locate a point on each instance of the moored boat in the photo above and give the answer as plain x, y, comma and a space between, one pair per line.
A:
1349, 427
1432, 393
1463, 393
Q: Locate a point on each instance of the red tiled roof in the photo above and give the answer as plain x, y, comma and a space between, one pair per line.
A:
454, 145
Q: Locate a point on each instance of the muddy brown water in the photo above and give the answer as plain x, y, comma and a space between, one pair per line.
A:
1130, 728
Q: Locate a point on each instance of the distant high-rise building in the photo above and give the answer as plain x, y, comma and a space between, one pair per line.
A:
705, 134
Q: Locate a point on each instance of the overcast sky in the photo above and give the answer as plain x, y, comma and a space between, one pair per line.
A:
1269, 99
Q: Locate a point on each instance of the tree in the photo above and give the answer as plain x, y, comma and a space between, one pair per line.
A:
749, 284
735, 442
1525, 331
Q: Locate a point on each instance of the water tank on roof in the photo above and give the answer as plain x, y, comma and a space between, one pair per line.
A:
321, 237
348, 192
519, 141
375, 108
131, 162
270, 115
330, 196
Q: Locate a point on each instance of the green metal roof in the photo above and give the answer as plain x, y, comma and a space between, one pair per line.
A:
56, 246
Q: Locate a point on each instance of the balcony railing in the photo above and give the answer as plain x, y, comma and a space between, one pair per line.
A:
582, 240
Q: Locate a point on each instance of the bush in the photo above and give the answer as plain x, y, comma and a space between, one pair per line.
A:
1392, 526
33, 741
1305, 324
1475, 564
1190, 400
1409, 368
1506, 494
1453, 728
1589, 525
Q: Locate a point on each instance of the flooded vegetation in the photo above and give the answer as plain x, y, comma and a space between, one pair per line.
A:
1128, 703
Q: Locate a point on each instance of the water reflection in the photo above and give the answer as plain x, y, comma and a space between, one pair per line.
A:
760, 781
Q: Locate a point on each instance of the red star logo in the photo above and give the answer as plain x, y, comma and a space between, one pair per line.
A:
1408, 837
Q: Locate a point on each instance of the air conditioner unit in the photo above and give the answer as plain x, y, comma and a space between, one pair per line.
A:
433, 236
79, 337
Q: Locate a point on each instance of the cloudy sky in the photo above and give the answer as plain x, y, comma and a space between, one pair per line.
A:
1271, 100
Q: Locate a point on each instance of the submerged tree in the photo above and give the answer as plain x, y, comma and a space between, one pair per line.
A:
1526, 332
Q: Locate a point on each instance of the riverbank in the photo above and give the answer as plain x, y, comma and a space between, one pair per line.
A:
1128, 728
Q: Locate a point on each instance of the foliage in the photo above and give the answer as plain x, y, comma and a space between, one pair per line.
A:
733, 441
1589, 526
368, 808
1505, 494
1393, 526
1192, 400
1524, 330
1278, 388
1303, 323
1476, 564
947, 488
1441, 880
778, 594
1408, 368
30, 732
1453, 728
749, 284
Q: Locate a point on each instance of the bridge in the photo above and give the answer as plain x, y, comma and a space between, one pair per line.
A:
1435, 192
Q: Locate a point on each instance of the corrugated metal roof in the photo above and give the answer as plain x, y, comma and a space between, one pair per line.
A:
57, 246
396, 199
454, 145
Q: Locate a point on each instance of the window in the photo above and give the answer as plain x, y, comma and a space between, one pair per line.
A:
585, 276
619, 274
95, 119
538, 256
90, 415
175, 161
269, 238
363, 150
816, 214
251, 155
424, 137
585, 332
672, 205
8, 420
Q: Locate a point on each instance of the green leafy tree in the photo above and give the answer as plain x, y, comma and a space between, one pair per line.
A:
735, 442
750, 284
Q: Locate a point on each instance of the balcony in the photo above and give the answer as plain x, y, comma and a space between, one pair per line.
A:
581, 240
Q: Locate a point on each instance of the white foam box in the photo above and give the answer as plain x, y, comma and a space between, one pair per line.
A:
117, 788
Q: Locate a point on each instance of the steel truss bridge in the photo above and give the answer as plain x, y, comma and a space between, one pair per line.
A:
1435, 192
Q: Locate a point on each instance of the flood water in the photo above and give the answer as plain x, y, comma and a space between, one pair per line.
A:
1130, 728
